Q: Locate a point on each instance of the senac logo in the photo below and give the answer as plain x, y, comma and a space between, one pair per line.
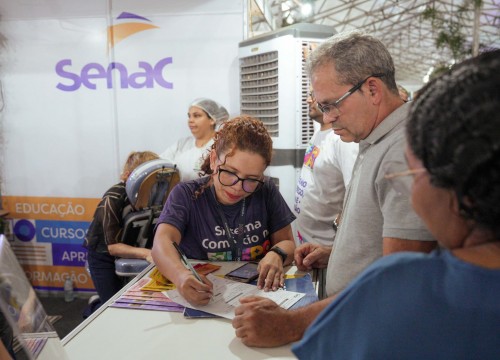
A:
94, 75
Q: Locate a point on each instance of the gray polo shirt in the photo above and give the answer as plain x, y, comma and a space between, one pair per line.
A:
372, 208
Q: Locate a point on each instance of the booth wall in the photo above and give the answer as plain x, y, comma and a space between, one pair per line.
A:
68, 125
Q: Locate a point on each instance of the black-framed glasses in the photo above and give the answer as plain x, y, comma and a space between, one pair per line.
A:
228, 178
326, 108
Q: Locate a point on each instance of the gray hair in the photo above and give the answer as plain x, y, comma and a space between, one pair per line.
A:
214, 110
355, 56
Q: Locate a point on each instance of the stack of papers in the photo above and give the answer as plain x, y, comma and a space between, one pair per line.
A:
227, 295
146, 294
158, 293
136, 298
158, 282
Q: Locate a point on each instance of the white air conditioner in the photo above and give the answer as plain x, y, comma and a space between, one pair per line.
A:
274, 88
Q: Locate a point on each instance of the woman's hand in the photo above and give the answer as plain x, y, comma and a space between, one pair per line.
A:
192, 290
271, 273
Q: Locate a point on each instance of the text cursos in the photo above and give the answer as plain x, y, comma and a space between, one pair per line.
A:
63, 233
91, 74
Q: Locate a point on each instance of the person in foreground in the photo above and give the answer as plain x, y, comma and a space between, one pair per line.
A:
104, 236
233, 214
204, 116
353, 78
444, 305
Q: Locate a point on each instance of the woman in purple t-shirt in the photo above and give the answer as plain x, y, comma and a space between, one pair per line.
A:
233, 214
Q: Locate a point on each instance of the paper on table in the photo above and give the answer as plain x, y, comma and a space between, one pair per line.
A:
134, 298
228, 292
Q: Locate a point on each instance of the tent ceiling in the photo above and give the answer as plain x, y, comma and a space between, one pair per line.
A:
398, 24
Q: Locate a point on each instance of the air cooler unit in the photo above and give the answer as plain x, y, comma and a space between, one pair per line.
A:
274, 88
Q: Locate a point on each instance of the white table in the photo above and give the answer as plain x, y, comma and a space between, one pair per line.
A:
117, 333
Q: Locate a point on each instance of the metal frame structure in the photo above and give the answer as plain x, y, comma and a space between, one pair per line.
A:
399, 24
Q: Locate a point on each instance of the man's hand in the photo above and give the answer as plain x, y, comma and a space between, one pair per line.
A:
261, 322
308, 256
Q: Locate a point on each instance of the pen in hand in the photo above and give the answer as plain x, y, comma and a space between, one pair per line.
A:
186, 262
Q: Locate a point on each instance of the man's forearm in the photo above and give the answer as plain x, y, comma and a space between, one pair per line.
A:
303, 317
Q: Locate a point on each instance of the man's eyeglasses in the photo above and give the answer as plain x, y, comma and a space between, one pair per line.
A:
398, 175
228, 178
326, 108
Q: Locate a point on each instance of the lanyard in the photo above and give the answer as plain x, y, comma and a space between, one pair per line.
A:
235, 247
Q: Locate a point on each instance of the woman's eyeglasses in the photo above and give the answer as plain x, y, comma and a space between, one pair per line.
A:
398, 175
228, 178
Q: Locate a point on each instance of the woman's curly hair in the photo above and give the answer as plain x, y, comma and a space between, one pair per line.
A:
454, 129
243, 133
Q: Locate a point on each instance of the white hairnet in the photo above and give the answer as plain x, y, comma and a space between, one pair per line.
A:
215, 110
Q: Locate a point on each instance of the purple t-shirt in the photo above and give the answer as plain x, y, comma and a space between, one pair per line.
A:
203, 234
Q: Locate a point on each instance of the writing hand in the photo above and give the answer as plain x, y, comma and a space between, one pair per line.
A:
193, 290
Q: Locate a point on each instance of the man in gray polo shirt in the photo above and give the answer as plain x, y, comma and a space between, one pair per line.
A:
353, 78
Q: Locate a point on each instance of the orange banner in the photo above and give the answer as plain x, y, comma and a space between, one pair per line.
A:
54, 276
50, 208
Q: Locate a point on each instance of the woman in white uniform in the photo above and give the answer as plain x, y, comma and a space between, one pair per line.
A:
204, 115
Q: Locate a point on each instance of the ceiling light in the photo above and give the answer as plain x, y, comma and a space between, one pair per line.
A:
306, 9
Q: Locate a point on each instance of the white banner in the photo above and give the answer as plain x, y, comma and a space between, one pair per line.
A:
75, 106
82, 91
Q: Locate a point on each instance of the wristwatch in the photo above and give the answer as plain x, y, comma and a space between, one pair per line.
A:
280, 252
